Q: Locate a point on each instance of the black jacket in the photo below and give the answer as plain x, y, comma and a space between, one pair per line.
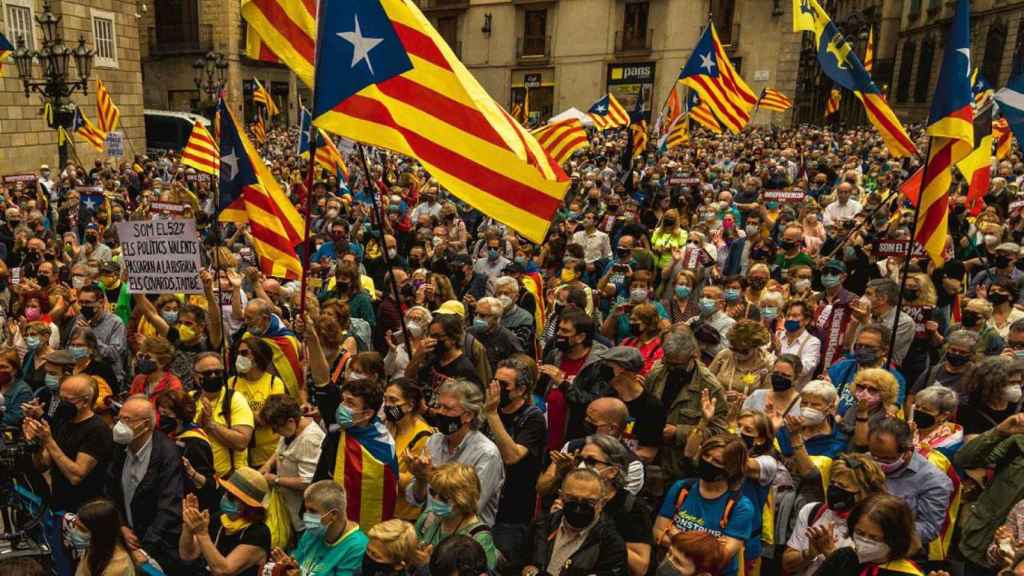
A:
602, 554
156, 505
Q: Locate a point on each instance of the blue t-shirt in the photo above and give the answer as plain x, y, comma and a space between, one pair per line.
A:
343, 558
697, 513
830, 445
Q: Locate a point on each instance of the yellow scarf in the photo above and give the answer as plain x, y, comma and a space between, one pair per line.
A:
233, 526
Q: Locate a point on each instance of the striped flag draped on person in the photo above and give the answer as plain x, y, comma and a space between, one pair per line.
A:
107, 113
201, 151
772, 99
393, 82
710, 73
950, 126
608, 113
84, 128
562, 139
835, 96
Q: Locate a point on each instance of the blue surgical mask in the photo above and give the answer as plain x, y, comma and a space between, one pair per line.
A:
229, 507
79, 539
343, 416
52, 381
829, 281
78, 352
732, 294
312, 522
32, 342
682, 292
170, 316
708, 306
792, 325
480, 323
770, 312
440, 509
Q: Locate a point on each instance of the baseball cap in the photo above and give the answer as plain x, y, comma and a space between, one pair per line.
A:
451, 307
836, 264
627, 357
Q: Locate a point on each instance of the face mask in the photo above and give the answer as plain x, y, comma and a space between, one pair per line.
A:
88, 312
912, 294
212, 383
343, 416
492, 255
145, 366
186, 333
79, 539
65, 411
480, 324
748, 440
682, 292
229, 507
802, 285
839, 499
168, 424
638, 295
32, 342
567, 275
781, 382
708, 306
440, 509
563, 343
792, 325
123, 433
997, 298
890, 467
970, 318
865, 356
867, 397
788, 245
506, 397
393, 413
752, 230
1002, 261
32, 314
1012, 394
923, 420
708, 472
770, 312
52, 381
373, 568
578, 515
869, 551
77, 282
312, 522
589, 428
812, 416
243, 364
957, 360
758, 284
170, 316
78, 352
392, 253
670, 222
445, 424
830, 281
732, 295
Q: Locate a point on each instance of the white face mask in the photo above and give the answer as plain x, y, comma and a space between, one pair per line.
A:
243, 364
870, 551
123, 433
812, 416
1012, 394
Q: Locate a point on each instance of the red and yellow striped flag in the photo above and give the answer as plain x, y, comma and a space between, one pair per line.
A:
608, 113
108, 113
678, 132
259, 130
261, 95
711, 74
772, 99
288, 29
832, 105
561, 139
703, 115
1003, 138
639, 134
201, 151
329, 157
869, 51
366, 467
256, 49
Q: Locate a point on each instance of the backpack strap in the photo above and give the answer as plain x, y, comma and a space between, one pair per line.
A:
478, 529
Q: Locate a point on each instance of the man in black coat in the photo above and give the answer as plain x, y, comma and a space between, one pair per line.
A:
145, 482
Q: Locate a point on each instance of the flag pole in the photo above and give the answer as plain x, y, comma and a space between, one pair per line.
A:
224, 333
910, 248
314, 133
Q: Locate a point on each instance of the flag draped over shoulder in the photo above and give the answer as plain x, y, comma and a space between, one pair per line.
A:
107, 112
285, 346
288, 29
561, 139
721, 88
608, 113
393, 82
367, 467
201, 151
840, 63
835, 96
249, 194
951, 127
772, 99
84, 128
701, 114
261, 95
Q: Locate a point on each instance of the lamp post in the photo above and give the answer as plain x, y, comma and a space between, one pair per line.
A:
210, 75
56, 84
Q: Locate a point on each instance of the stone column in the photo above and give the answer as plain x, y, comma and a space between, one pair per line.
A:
885, 47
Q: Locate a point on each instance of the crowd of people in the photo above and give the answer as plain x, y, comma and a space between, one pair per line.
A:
721, 361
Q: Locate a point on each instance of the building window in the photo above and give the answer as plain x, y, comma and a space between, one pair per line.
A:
924, 70
177, 24
535, 30
1018, 50
104, 38
634, 26
20, 22
906, 67
722, 12
992, 62
448, 28
915, 7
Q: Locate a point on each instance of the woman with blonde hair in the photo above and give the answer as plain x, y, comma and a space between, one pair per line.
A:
151, 368
771, 304
920, 298
745, 365
455, 492
666, 237
875, 392
679, 297
392, 548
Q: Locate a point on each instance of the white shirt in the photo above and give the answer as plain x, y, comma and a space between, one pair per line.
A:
596, 245
836, 211
806, 347
798, 538
298, 459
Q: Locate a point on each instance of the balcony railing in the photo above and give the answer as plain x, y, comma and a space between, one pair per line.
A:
633, 41
534, 48
435, 5
170, 40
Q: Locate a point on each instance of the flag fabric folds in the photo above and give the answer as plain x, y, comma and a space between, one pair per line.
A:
393, 82
249, 194
517, 111
639, 135
832, 105
84, 128
328, 156
772, 99
259, 130
951, 127
701, 114
869, 52
1011, 105
5, 47
562, 139
711, 74
976, 167
257, 49
1002, 137
288, 29
285, 347
840, 63
261, 95
201, 151
678, 133
107, 112
608, 113
366, 465
980, 88
671, 110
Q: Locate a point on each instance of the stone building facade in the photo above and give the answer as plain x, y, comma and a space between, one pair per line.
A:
108, 26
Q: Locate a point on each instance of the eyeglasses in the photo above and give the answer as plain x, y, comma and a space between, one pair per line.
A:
593, 462
566, 499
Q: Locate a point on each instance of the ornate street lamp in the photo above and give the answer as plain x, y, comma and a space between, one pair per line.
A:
210, 75
55, 86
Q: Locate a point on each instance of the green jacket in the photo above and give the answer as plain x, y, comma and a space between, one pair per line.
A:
978, 522
684, 412
123, 306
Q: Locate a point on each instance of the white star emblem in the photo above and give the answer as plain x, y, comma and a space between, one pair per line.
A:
90, 204
967, 54
230, 161
707, 62
601, 109
361, 45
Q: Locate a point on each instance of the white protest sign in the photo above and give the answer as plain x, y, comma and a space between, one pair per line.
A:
115, 144
161, 256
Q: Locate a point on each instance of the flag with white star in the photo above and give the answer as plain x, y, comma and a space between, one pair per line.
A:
710, 73
607, 113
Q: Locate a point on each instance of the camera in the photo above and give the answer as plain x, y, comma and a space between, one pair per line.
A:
14, 448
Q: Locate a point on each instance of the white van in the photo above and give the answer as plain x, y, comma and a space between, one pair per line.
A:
167, 130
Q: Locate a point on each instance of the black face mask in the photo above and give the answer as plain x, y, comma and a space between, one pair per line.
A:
212, 383
65, 411
445, 424
373, 568
393, 413
44, 281
840, 500
88, 312
1002, 260
670, 221
440, 348
579, 515
589, 428
912, 294
758, 283
749, 441
997, 298
168, 424
957, 360
563, 343
682, 374
708, 472
781, 382
506, 397
970, 318
788, 245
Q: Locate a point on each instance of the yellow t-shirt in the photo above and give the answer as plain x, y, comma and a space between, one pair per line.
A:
403, 509
241, 415
256, 393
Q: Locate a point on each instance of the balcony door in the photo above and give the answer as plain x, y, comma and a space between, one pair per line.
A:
177, 23
535, 29
634, 26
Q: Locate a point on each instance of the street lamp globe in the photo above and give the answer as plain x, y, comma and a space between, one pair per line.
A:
23, 58
59, 56
48, 21
83, 59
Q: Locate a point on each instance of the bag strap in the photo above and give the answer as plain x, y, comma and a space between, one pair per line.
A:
420, 435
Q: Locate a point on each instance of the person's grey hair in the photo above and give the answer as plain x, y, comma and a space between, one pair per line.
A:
327, 495
615, 454
991, 373
821, 389
679, 343
469, 395
1017, 326
886, 287
493, 304
504, 281
794, 361
968, 339
937, 396
898, 429
522, 372
421, 309
587, 475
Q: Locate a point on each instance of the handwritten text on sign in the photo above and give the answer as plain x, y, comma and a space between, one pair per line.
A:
161, 256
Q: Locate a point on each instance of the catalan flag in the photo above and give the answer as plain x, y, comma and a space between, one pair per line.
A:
562, 139
678, 133
393, 82
259, 130
256, 49
107, 112
84, 128
1011, 107
288, 29
285, 347
608, 113
832, 105
517, 111
328, 156
951, 128
249, 194
366, 465
721, 88
976, 167
5, 47
869, 52
261, 95
639, 134
980, 88
772, 99
526, 106
840, 63
1003, 138
700, 113
201, 151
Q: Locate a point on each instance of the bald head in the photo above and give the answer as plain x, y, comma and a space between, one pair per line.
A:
80, 390
257, 316
138, 407
608, 415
